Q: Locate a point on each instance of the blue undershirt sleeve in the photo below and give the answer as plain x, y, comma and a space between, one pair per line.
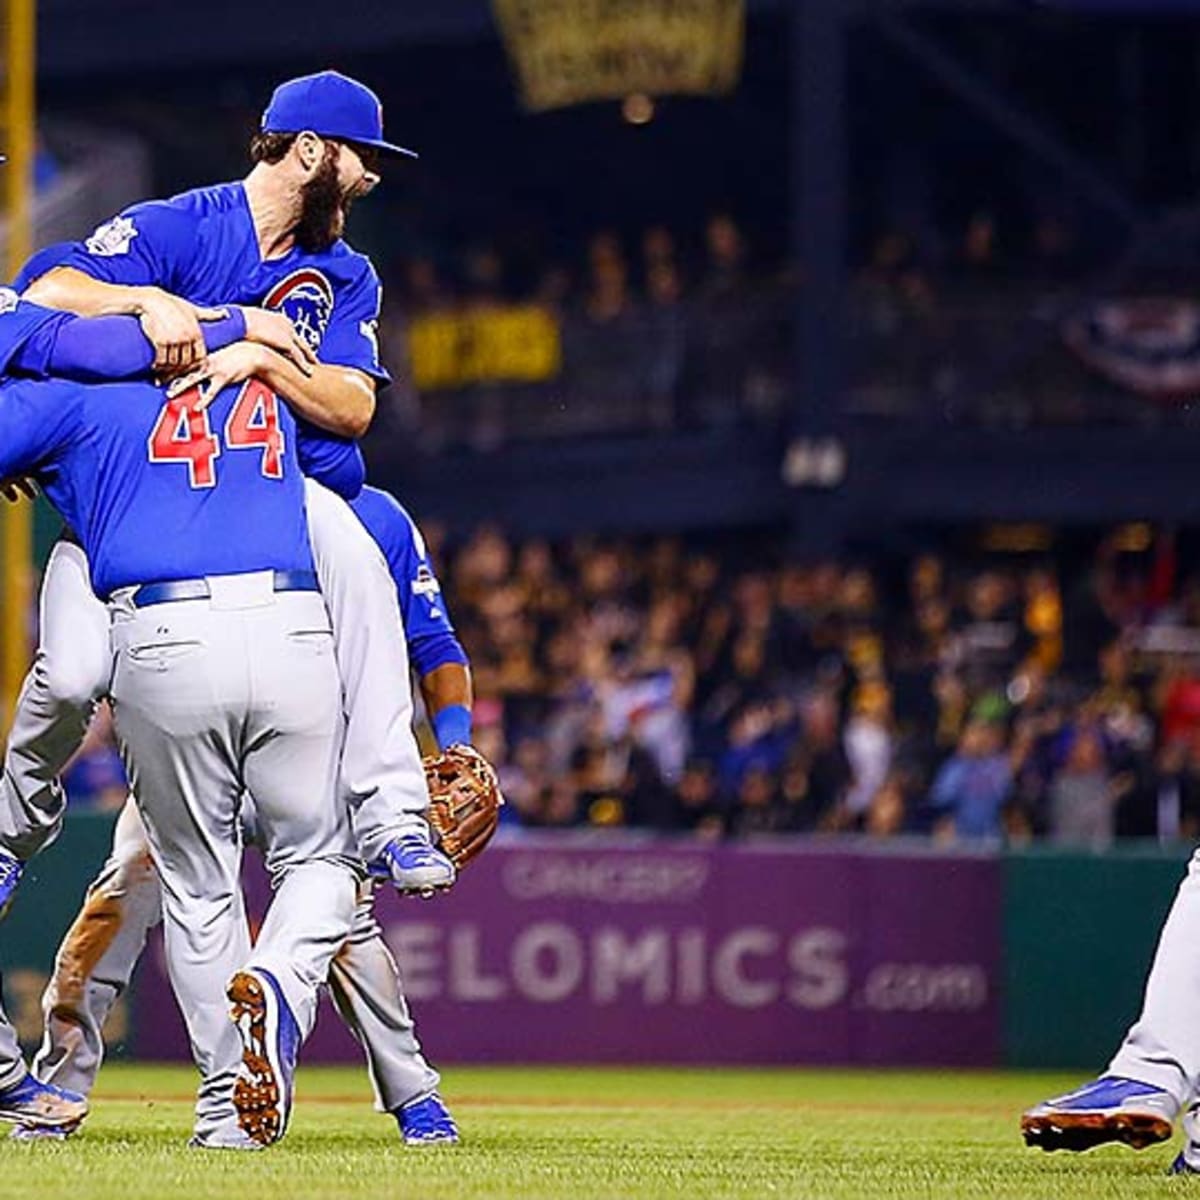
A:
94, 349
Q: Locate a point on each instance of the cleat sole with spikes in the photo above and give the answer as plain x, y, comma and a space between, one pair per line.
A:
256, 1092
1082, 1131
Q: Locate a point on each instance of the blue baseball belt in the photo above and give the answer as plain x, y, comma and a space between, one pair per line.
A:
198, 589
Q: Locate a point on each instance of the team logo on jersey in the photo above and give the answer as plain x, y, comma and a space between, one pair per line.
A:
370, 330
8, 301
425, 584
305, 297
112, 238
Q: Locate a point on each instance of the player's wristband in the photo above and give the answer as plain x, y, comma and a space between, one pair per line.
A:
452, 725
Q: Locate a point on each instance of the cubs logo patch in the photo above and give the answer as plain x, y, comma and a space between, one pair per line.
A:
112, 238
8, 300
305, 297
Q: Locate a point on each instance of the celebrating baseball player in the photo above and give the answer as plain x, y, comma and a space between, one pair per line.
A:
97, 957
223, 681
271, 240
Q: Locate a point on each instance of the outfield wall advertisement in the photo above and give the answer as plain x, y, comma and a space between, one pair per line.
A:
665, 953
557, 949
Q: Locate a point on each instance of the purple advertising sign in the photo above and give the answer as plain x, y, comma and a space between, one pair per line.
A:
562, 950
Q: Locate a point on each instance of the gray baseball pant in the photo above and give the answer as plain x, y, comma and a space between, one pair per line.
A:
69, 674
12, 1061
212, 698
1163, 1046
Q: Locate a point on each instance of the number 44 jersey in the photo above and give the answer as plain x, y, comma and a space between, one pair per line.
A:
160, 488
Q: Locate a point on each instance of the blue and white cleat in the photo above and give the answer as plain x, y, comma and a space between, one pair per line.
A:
262, 1091
427, 1121
11, 870
42, 1107
414, 866
1108, 1109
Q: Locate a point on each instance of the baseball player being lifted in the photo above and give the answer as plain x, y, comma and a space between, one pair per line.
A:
96, 959
224, 681
1156, 1070
273, 239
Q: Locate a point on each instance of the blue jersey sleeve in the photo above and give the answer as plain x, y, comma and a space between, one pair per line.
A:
99, 349
335, 462
41, 262
37, 422
432, 641
352, 339
148, 244
22, 323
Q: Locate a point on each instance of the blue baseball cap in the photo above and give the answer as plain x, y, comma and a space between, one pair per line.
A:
332, 105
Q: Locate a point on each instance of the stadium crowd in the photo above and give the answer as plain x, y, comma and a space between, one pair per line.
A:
718, 689
663, 685
675, 329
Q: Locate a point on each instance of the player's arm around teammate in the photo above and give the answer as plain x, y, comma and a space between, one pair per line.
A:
317, 152
275, 240
72, 665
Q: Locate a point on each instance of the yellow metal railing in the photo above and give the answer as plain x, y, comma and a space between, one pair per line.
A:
17, 141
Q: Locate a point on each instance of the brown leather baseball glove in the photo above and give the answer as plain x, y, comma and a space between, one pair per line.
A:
464, 802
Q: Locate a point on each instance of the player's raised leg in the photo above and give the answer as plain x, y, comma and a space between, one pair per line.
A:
1157, 1068
381, 762
57, 699
291, 768
97, 956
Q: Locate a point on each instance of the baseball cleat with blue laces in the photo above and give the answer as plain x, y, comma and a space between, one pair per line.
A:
426, 1121
413, 865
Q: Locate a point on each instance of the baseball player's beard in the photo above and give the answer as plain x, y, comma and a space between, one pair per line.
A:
323, 208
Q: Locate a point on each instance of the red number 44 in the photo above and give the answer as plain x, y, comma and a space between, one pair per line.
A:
183, 433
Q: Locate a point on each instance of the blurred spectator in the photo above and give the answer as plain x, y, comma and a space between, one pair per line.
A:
888, 813
1083, 796
869, 750
971, 788
608, 295
725, 273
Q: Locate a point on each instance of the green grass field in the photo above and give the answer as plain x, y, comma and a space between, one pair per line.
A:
604, 1133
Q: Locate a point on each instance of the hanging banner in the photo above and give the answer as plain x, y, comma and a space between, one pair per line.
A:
570, 51
1149, 345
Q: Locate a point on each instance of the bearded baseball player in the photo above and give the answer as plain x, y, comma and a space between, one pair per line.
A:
1156, 1071
224, 681
272, 240
96, 959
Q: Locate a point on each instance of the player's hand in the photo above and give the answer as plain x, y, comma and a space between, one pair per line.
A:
274, 329
172, 326
232, 364
14, 488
